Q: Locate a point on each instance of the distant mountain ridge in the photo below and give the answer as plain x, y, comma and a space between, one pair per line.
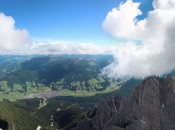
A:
75, 73
151, 107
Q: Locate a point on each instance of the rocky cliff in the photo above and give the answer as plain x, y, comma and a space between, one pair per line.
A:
151, 107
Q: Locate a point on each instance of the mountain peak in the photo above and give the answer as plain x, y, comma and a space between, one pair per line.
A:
151, 106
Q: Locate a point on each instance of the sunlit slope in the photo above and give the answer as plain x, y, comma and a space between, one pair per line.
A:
70, 75
18, 117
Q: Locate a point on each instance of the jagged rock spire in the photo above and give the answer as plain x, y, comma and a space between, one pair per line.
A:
151, 107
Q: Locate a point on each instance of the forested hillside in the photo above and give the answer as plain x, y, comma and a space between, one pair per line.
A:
67, 87
67, 74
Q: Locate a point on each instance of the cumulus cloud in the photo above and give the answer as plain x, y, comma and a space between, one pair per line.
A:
18, 41
151, 41
11, 38
120, 22
63, 47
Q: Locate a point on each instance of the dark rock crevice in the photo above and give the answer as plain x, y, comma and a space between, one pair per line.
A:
4, 125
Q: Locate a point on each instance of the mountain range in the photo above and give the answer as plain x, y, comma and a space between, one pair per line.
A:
59, 92
68, 74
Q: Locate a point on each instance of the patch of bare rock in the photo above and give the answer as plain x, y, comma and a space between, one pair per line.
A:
151, 107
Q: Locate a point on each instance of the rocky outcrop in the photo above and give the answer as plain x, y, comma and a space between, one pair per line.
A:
151, 107
103, 114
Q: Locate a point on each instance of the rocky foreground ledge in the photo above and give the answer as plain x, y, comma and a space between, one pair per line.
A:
151, 107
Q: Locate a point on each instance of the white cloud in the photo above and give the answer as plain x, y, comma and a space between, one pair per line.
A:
121, 22
18, 41
11, 38
64, 47
156, 33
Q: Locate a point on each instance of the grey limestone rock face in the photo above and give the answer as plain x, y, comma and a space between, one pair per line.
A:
151, 107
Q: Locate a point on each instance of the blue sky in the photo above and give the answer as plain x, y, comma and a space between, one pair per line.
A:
66, 20
140, 47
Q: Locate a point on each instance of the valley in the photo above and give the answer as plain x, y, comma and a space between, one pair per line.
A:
87, 65
63, 86
75, 75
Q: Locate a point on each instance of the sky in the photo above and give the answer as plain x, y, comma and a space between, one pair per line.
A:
78, 21
138, 33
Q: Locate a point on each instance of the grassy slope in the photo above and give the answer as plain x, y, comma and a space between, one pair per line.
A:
71, 76
21, 118
28, 114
